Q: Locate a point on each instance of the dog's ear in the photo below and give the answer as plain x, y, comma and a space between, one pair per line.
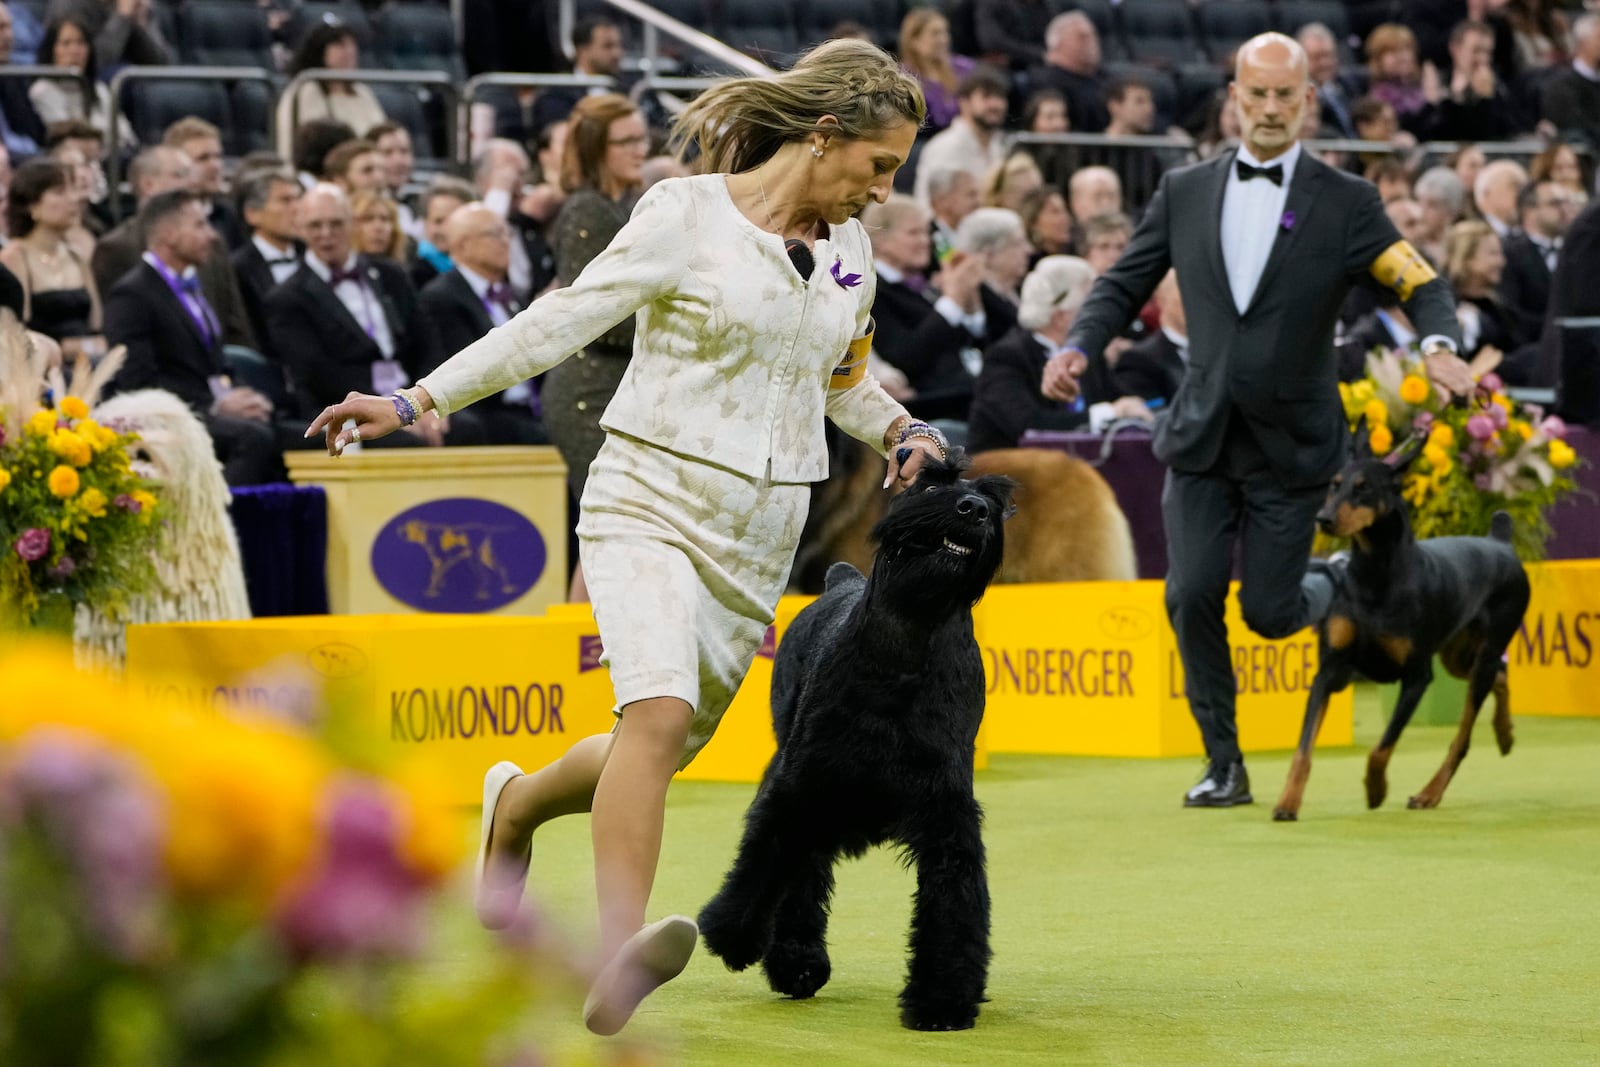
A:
999, 488
1400, 458
1360, 441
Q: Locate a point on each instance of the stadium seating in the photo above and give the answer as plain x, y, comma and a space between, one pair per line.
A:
1160, 32
224, 33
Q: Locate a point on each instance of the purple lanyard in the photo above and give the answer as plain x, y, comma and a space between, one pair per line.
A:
193, 302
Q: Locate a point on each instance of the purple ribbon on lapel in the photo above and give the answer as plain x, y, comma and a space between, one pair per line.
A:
848, 281
1287, 222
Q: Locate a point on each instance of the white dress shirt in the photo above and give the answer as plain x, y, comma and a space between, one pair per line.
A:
952, 312
280, 267
1252, 212
1179, 341
499, 314
361, 300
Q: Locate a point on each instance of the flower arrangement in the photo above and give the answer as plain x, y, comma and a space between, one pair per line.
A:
1491, 454
78, 523
181, 887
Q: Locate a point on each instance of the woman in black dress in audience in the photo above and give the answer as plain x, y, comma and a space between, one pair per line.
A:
59, 298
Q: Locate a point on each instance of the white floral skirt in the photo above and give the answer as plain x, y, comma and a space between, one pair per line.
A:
685, 562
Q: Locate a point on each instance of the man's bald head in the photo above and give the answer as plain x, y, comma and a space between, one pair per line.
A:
480, 241
1271, 92
324, 214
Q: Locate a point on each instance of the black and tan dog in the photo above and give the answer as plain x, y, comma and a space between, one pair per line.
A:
877, 693
1401, 602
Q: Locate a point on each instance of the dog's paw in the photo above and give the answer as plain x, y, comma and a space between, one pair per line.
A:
797, 970
735, 944
1377, 789
942, 1016
1285, 814
1423, 801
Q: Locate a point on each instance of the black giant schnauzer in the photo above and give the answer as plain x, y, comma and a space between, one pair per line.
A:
877, 693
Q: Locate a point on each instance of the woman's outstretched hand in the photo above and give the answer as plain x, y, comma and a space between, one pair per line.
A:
375, 417
907, 458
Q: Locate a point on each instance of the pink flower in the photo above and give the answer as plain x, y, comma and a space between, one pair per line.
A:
1498, 415
64, 568
2, 434
1483, 482
127, 503
1481, 426
34, 544
1554, 427
1491, 382
1423, 422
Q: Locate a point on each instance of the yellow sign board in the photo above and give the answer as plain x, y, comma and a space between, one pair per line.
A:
1555, 661
1092, 669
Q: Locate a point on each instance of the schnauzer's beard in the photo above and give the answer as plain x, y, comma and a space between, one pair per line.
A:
932, 558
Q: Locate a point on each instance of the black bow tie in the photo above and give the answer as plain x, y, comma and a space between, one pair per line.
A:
1273, 174
273, 261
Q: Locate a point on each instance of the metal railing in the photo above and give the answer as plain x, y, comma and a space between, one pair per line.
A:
655, 24
465, 146
287, 108
153, 74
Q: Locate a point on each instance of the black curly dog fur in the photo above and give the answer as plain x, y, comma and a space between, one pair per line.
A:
877, 692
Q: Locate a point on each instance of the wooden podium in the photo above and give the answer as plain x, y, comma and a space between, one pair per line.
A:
457, 530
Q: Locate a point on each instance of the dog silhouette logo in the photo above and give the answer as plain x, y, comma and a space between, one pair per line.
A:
458, 554
589, 652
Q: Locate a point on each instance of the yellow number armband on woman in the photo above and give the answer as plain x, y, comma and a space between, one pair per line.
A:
853, 367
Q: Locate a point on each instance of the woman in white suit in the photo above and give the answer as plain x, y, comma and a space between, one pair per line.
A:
752, 285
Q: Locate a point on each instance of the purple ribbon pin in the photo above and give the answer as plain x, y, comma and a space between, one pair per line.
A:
848, 281
1287, 222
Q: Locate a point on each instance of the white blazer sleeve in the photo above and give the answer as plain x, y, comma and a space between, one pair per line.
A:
643, 263
864, 411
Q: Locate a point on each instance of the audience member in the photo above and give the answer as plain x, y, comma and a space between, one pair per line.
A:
925, 54
1569, 100
1408, 218
343, 323
68, 44
1008, 401
124, 32
329, 45
1395, 75
1102, 238
500, 172
376, 233
1153, 368
1472, 104
1071, 66
1473, 265
83, 172
1046, 112
1009, 183
1559, 163
435, 206
974, 141
1391, 178
1133, 113
1047, 223
1538, 34
1495, 194
994, 236
174, 338
1467, 162
21, 131
202, 143
313, 140
396, 161
1442, 198
268, 200
952, 196
1384, 326
1334, 91
1531, 253
597, 53
472, 298
354, 167
60, 299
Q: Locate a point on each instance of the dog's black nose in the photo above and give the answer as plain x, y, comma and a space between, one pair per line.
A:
1325, 522
973, 507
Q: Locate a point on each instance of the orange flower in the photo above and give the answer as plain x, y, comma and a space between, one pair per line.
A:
63, 482
74, 408
1380, 440
1414, 389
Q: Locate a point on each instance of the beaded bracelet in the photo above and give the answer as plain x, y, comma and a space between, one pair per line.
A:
404, 407
915, 428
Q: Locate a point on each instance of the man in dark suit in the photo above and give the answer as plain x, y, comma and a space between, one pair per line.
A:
157, 170
1152, 369
272, 254
1531, 252
174, 339
1071, 67
472, 298
1570, 354
343, 323
1267, 240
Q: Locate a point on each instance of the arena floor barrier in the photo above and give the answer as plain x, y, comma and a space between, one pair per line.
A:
1555, 668
1092, 669
459, 530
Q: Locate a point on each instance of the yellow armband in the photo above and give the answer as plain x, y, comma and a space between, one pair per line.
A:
1401, 267
853, 367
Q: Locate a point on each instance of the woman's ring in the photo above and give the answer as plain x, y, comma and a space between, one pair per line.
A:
355, 434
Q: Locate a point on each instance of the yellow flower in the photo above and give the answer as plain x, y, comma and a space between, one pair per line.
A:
1561, 455
1381, 440
1503, 400
1344, 393
98, 436
1376, 412
1442, 435
1414, 389
1436, 456
146, 501
70, 447
63, 481
74, 408
42, 423
93, 502
1522, 428
5, 477
1362, 390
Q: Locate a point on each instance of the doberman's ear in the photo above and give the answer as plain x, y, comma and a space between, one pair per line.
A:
1360, 443
1400, 458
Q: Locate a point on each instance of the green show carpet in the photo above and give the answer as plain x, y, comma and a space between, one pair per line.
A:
1128, 930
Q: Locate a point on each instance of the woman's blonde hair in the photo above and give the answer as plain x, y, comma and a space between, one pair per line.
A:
937, 69
741, 123
1002, 178
1460, 245
583, 163
360, 204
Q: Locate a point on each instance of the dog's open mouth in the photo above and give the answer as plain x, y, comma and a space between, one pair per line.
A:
955, 549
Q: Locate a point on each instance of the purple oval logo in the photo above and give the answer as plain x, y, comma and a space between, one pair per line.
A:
458, 554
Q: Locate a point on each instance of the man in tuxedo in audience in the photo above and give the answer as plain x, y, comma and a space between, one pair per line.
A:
202, 143
268, 200
1152, 369
158, 170
1266, 239
1531, 253
472, 298
173, 335
952, 196
343, 323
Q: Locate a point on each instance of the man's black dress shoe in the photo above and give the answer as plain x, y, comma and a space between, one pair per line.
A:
1222, 787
